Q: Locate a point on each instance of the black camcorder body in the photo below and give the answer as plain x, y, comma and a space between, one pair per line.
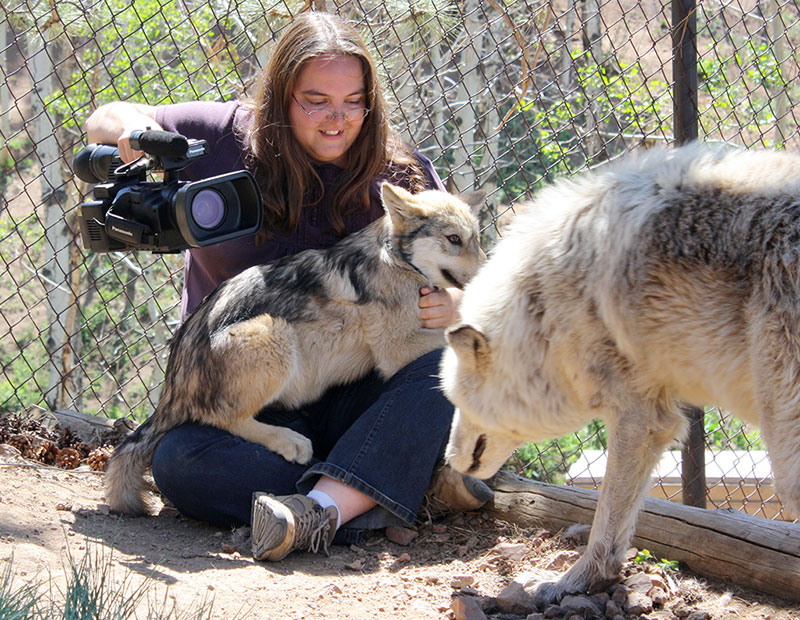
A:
129, 213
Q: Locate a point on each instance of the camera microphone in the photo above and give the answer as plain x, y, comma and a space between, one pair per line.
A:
160, 143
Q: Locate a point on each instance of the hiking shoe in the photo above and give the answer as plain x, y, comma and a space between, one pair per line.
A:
286, 523
451, 491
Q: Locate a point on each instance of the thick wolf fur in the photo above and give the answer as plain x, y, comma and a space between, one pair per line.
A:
283, 332
672, 275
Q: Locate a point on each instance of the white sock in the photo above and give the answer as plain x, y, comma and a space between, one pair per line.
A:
325, 500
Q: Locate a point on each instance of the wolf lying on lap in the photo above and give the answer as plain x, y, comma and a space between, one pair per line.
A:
282, 333
673, 275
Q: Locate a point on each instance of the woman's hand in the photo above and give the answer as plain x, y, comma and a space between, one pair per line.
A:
438, 308
114, 122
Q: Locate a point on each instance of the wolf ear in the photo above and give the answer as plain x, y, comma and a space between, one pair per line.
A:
399, 203
474, 200
471, 347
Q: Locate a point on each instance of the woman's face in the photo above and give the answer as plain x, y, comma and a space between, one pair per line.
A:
335, 84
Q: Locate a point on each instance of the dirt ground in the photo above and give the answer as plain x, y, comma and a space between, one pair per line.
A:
47, 512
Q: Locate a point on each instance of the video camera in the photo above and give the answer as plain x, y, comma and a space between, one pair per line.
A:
130, 213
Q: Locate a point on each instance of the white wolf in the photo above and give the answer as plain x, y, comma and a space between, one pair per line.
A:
672, 275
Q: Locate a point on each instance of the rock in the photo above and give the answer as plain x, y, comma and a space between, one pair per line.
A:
658, 596
699, 615
563, 560
660, 581
613, 609
467, 608
400, 535
639, 603
580, 605
600, 599
639, 582
511, 551
620, 595
469, 591
553, 611
356, 564
515, 599
461, 581
681, 610
536, 616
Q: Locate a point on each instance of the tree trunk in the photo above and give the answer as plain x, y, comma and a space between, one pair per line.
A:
469, 84
54, 273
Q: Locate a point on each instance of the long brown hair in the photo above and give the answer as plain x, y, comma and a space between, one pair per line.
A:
284, 170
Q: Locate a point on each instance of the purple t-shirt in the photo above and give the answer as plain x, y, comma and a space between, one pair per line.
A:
207, 267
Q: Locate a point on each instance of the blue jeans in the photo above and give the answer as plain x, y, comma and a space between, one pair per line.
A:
380, 437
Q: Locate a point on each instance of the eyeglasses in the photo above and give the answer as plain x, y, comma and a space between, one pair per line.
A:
326, 114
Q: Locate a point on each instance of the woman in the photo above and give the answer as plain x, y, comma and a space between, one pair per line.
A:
319, 142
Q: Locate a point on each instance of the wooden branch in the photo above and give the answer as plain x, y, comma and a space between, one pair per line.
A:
722, 544
91, 428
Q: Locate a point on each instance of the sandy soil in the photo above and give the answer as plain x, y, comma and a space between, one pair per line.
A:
47, 514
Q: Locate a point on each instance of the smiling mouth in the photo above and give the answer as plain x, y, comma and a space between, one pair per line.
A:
331, 132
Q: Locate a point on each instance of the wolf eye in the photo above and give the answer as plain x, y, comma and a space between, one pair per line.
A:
454, 239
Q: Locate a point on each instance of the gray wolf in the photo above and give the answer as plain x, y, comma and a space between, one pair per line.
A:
282, 333
668, 276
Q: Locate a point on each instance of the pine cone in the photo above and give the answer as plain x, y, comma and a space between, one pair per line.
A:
98, 458
83, 449
20, 442
68, 458
45, 452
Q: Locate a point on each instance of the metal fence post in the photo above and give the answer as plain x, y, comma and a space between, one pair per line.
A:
684, 69
684, 76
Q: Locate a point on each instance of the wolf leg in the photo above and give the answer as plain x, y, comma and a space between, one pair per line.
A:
780, 429
257, 357
291, 445
636, 442
775, 355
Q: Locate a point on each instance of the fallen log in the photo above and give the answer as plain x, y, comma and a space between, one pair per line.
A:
723, 544
91, 428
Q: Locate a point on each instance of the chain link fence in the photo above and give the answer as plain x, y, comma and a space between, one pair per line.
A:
502, 95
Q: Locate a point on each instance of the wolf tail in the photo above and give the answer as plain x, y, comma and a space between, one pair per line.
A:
124, 480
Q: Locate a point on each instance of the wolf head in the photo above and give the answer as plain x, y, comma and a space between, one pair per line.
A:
436, 233
480, 441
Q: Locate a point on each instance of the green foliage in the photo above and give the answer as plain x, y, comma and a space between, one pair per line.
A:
91, 592
604, 101
724, 432
646, 557
742, 89
550, 460
16, 603
154, 52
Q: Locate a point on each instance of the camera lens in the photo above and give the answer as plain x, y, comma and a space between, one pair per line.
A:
208, 208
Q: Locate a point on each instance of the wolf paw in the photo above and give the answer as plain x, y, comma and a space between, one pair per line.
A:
548, 593
295, 448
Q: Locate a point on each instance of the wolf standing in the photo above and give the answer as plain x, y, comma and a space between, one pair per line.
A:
668, 276
318, 140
